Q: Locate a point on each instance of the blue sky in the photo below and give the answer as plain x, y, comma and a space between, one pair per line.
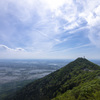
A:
49, 29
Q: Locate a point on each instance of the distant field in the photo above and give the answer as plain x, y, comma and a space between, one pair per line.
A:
18, 70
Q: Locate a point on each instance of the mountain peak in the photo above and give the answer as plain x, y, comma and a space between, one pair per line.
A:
84, 63
81, 59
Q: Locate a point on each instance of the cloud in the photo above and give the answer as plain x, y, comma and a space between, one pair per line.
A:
19, 53
94, 35
19, 49
4, 48
94, 26
45, 24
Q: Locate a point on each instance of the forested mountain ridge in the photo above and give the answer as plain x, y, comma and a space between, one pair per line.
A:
64, 83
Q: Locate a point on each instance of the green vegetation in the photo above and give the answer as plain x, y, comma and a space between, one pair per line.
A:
8, 89
79, 80
86, 91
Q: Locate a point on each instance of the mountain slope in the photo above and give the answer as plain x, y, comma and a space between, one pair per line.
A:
59, 82
86, 91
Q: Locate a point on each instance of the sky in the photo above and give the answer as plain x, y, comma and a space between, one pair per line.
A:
49, 29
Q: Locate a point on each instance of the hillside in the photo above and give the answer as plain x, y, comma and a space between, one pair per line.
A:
78, 80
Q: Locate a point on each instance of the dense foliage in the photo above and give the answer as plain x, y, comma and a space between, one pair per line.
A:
86, 91
8, 89
79, 80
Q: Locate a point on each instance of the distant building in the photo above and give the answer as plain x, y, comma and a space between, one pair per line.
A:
84, 57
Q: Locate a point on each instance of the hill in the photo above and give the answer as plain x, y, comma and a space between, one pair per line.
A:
79, 80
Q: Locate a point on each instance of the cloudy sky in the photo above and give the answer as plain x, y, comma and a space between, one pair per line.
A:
40, 29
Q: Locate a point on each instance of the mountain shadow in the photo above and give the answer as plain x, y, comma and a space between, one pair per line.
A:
79, 80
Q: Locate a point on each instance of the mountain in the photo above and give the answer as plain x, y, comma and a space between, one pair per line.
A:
79, 80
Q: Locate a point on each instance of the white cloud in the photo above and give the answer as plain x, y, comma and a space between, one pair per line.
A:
93, 20
19, 49
71, 26
4, 48
91, 13
94, 35
40, 25
20, 53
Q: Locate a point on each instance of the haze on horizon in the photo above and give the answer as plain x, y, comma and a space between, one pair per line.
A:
54, 29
